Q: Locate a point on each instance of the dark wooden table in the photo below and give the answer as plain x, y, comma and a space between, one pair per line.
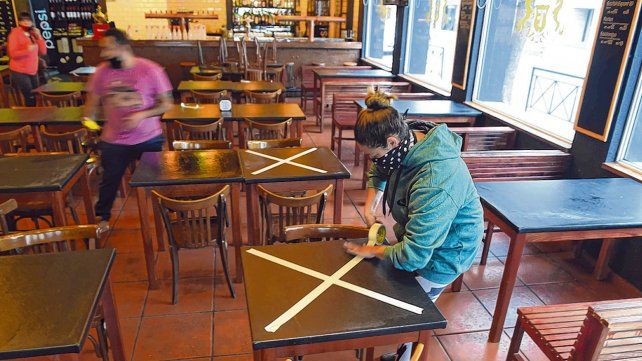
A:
49, 300
290, 177
194, 170
61, 87
438, 111
339, 319
54, 174
234, 87
36, 116
259, 112
559, 210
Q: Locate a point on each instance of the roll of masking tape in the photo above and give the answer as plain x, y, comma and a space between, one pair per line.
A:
377, 234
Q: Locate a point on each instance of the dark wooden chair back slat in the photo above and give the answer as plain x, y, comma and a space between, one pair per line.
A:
15, 141
210, 131
254, 74
288, 209
268, 131
72, 142
504, 165
216, 76
324, 232
60, 100
205, 97
6, 207
201, 144
263, 97
274, 143
51, 240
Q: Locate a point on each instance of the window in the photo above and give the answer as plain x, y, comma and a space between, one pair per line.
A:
380, 32
533, 60
430, 45
631, 146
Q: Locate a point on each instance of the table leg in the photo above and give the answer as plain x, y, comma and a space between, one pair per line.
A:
424, 338
86, 197
158, 226
112, 324
236, 230
58, 205
602, 265
299, 128
265, 355
150, 262
370, 354
515, 250
253, 231
338, 201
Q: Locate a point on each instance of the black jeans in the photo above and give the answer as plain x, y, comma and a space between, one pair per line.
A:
115, 158
25, 83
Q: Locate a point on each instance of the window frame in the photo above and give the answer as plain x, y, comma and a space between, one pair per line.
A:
635, 110
366, 37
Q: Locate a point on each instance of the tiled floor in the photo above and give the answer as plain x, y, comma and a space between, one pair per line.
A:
207, 324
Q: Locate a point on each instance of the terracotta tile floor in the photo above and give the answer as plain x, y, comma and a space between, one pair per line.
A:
207, 324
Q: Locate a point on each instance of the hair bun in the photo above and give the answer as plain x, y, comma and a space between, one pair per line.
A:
378, 99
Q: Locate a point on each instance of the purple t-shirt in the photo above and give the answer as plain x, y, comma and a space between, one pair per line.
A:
124, 91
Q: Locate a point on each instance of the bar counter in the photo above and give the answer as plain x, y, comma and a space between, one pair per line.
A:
170, 53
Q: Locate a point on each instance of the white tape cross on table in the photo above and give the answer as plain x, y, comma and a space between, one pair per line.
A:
288, 160
327, 282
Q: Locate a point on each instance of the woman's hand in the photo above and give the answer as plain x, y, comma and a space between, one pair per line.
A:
370, 218
364, 251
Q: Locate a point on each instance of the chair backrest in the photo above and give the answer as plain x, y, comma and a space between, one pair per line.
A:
217, 76
288, 209
6, 207
209, 131
260, 131
611, 331
263, 97
50, 240
505, 165
205, 97
307, 73
275, 74
486, 138
15, 141
254, 74
310, 232
194, 223
71, 142
274, 143
60, 100
344, 107
201, 144
328, 89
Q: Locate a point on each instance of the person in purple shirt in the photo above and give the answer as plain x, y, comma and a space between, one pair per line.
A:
133, 93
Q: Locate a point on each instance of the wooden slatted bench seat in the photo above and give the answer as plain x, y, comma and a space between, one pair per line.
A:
329, 88
307, 80
512, 165
605, 330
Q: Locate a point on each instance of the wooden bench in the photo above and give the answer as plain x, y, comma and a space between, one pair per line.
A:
307, 80
606, 330
483, 140
345, 111
512, 165
329, 88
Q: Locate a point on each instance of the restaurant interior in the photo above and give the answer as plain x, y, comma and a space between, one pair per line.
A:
320, 180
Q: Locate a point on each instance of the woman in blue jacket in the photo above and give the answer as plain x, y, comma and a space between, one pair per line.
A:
418, 171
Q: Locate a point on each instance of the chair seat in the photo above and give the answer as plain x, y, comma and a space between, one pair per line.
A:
554, 328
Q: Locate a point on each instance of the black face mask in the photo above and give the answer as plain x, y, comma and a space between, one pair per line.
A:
391, 161
115, 63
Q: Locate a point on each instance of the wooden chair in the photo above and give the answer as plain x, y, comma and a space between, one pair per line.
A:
15, 141
62, 239
201, 97
262, 131
307, 80
263, 97
606, 330
288, 209
60, 100
6, 207
201, 144
217, 76
254, 74
324, 232
209, 131
275, 74
72, 142
344, 117
196, 223
274, 143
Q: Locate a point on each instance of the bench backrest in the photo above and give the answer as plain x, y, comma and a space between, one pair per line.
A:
508, 165
611, 331
415, 96
486, 138
343, 106
307, 72
328, 89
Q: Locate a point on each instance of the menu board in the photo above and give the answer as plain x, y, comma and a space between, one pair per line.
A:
603, 82
7, 19
467, 15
